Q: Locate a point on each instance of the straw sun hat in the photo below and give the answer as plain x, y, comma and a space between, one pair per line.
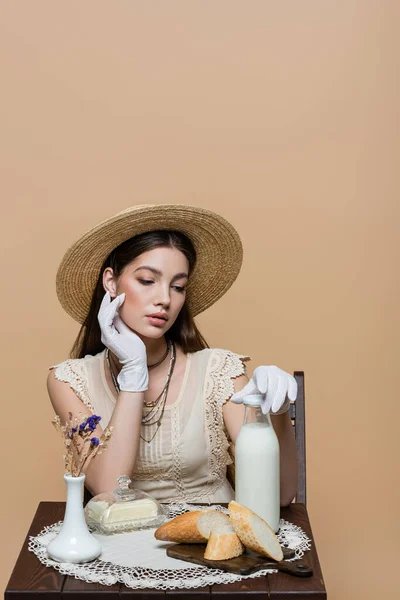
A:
217, 244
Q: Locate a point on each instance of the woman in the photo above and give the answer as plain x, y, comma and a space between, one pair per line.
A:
135, 282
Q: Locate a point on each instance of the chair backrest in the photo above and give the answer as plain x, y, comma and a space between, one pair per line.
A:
297, 415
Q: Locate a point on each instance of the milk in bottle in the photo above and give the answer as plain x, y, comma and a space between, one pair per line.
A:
257, 464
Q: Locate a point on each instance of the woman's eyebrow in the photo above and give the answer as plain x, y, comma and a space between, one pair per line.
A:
157, 272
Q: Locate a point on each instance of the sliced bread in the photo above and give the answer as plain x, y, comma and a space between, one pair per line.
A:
192, 527
254, 532
223, 543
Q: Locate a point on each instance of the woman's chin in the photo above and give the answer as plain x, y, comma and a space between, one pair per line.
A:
150, 332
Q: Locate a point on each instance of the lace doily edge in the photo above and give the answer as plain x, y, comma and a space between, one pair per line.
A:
158, 580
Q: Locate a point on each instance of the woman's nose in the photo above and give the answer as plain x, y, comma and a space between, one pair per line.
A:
164, 297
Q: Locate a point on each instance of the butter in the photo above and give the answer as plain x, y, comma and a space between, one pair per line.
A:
129, 511
125, 509
95, 510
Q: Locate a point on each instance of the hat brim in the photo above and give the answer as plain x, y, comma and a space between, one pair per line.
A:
217, 244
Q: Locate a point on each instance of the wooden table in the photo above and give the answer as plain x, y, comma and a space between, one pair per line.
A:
30, 580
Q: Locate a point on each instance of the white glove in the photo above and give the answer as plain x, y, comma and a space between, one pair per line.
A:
277, 387
125, 344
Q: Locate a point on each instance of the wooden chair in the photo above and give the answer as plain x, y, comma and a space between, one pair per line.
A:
297, 415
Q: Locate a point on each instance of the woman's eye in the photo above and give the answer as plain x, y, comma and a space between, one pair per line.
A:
178, 288
146, 281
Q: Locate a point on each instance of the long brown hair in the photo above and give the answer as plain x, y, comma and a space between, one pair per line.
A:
183, 332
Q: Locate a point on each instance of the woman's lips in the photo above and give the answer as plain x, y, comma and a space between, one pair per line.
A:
156, 321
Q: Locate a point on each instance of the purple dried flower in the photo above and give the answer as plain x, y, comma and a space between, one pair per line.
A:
90, 423
77, 454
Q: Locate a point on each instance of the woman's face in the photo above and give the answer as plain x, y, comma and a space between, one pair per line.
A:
154, 284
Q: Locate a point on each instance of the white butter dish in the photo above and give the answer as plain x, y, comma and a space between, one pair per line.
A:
125, 509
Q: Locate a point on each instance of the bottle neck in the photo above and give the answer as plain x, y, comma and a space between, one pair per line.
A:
254, 414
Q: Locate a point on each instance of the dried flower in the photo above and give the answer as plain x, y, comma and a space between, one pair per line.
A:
80, 447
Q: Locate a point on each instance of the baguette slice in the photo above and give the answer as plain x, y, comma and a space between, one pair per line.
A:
223, 543
254, 532
192, 527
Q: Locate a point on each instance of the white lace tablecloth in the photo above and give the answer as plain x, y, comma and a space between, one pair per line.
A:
139, 561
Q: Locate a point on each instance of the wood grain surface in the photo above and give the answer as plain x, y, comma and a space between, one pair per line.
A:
245, 564
30, 580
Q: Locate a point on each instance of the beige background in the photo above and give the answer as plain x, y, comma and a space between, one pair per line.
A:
282, 116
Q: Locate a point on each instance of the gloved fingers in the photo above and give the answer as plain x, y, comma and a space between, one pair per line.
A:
121, 326
280, 393
284, 408
108, 311
105, 303
134, 344
107, 330
260, 377
249, 389
272, 387
292, 388
265, 406
107, 333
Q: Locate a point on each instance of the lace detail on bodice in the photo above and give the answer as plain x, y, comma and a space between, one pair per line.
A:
74, 372
217, 386
188, 458
176, 457
224, 365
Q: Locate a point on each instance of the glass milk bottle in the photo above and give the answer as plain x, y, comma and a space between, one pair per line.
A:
257, 463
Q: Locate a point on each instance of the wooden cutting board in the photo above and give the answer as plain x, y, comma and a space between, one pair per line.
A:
246, 564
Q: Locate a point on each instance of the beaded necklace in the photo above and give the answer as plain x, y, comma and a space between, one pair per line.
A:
156, 409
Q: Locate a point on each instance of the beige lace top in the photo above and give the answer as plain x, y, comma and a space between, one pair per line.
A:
188, 457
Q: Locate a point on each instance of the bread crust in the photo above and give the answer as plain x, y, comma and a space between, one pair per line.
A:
243, 520
183, 529
187, 528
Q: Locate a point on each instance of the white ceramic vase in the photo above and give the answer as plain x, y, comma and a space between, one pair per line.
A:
74, 543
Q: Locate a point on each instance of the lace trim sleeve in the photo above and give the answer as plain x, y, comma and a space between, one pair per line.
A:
73, 371
223, 367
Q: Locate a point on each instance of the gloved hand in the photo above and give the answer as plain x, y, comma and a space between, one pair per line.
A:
125, 344
277, 387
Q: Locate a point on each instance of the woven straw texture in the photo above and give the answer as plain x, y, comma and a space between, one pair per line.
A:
217, 244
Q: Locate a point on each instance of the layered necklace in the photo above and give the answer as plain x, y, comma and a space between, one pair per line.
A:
154, 410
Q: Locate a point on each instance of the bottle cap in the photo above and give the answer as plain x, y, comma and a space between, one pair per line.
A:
253, 400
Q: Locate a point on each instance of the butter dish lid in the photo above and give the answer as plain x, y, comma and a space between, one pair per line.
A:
124, 509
